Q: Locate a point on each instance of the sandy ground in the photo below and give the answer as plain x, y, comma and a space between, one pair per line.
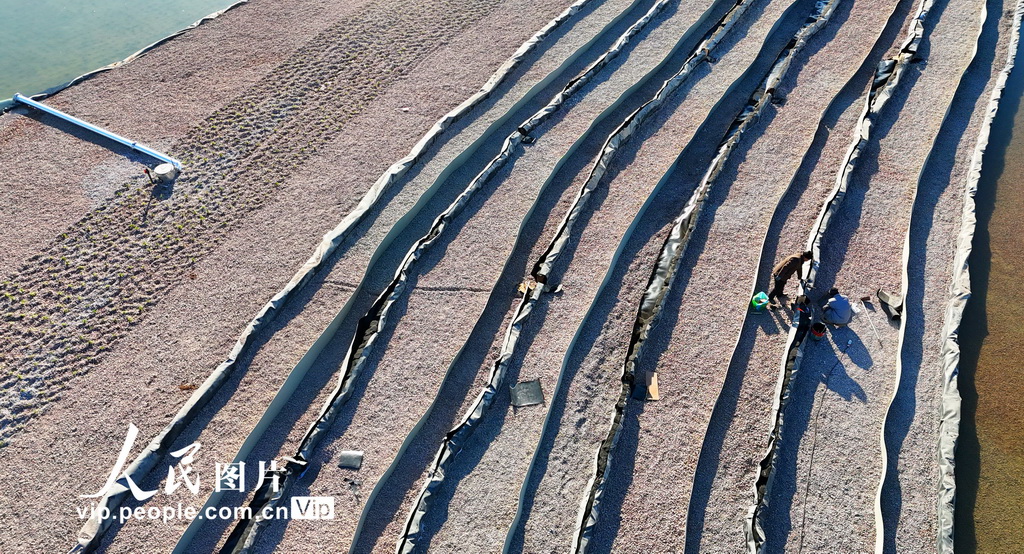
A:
694, 351
118, 300
823, 496
193, 328
912, 434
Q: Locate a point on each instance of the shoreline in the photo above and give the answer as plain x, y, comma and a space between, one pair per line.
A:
8, 104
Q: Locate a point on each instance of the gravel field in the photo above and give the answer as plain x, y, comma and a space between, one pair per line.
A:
119, 298
356, 256
454, 279
737, 432
912, 432
502, 449
581, 412
102, 275
823, 497
694, 351
220, 292
169, 79
232, 414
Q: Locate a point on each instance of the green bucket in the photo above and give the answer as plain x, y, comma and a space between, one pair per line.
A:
759, 301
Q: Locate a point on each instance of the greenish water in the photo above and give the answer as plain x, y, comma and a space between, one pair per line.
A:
44, 43
990, 451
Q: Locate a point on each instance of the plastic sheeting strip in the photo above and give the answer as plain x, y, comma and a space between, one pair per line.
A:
243, 537
295, 377
880, 524
885, 79
92, 532
456, 438
822, 129
9, 104
959, 293
674, 246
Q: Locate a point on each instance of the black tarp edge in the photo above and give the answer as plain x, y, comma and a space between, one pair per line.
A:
664, 270
959, 294
880, 490
542, 269
886, 77
92, 531
244, 535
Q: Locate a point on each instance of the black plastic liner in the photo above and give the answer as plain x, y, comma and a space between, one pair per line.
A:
887, 76
244, 535
92, 532
668, 260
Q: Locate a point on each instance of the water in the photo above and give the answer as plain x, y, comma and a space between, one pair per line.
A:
990, 452
44, 43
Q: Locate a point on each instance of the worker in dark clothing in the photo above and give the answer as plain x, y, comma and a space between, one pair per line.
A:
784, 270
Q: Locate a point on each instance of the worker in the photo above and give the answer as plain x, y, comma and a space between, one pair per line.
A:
837, 310
783, 271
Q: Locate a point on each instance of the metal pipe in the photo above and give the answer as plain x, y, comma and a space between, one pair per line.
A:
18, 97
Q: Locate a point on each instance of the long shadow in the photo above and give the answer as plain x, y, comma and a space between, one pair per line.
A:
974, 326
829, 369
86, 135
477, 449
682, 183
491, 426
466, 367
491, 321
835, 242
493, 318
324, 370
728, 400
678, 188
934, 183
547, 203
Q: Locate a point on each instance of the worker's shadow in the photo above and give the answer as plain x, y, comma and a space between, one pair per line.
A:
827, 361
